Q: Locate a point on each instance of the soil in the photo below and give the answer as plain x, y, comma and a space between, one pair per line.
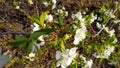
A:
15, 20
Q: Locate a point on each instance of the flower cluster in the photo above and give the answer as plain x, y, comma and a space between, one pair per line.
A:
31, 56
80, 32
106, 53
88, 64
65, 58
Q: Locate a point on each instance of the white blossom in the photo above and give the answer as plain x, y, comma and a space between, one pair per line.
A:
30, 1
116, 21
17, 7
38, 45
35, 27
88, 64
94, 17
78, 15
45, 3
65, 58
63, 8
112, 62
54, 1
54, 4
106, 53
99, 19
110, 32
99, 25
31, 56
40, 38
66, 13
115, 40
49, 18
110, 13
79, 36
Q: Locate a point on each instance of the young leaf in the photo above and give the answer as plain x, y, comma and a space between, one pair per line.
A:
60, 20
29, 46
42, 18
35, 18
74, 64
18, 41
38, 33
38, 50
67, 36
61, 45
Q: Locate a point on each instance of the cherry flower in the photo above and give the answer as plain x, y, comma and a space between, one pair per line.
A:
65, 58
94, 17
116, 21
110, 32
88, 64
106, 53
66, 13
30, 1
18, 7
49, 18
54, 4
78, 15
31, 56
45, 3
80, 35
40, 38
99, 25
35, 27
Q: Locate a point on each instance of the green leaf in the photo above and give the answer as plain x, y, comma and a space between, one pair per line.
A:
107, 4
74, 64
42, 18
57, 24
90, 49
67, 36
38, 50
18, 41
35, 18
61, 45
38, 33
111, 40
60, 20
29, 47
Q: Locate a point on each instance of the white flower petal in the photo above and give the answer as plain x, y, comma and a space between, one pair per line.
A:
17, 7
49, 18
41, 38
98, 25
73, 51
45, 3
69, 61
36, 27
54, 1
58, 64
58, 55
79, 36
88, 64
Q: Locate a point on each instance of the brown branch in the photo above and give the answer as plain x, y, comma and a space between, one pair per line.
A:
4, 33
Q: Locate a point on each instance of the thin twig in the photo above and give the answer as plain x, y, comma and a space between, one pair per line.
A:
4, 33
99, 31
